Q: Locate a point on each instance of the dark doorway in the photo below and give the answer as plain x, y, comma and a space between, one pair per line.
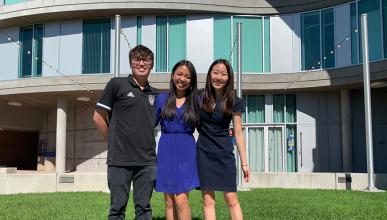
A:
19, 149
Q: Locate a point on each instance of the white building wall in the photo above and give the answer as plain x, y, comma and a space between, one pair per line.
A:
200, 42
70, 50
342, 30
281, 38
296, 42
51, 48
9, 53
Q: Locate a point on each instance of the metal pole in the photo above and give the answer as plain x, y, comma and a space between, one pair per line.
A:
239, 71
367, 102
239, 91
117, 45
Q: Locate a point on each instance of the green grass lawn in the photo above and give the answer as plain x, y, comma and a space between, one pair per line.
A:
256, 204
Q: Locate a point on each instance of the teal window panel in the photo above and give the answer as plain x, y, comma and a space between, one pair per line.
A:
328, 38
266, 45
96, 46
25, 52
354, 34
161, 44
30, 53
291, 151
256, 149
139, 30
222, 37
275, 149
256, 108
291, 108
372, 8
384, 10
278, 108
310, 41
176, 40
252, 44
9, 2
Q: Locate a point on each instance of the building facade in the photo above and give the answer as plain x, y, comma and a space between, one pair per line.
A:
301, 64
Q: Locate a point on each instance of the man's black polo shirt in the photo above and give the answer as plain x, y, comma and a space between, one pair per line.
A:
131, 113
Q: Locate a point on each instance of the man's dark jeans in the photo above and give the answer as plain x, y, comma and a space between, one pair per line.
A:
119, 180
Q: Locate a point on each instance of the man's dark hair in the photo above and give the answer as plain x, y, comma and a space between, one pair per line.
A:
141, 52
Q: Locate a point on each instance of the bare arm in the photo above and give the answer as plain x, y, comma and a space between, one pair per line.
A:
101, 123
237, 122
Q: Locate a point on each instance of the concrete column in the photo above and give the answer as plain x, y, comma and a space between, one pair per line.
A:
61, 124
346, 130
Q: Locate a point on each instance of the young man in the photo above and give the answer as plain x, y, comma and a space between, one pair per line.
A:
129, 105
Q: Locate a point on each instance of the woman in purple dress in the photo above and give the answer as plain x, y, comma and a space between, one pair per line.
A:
215, 156
176, 156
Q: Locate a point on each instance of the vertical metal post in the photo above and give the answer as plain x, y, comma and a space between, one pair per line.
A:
117, 45
367, 102
239, 71
239, 91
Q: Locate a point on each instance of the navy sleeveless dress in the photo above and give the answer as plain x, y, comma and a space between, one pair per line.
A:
215, 156
176, 153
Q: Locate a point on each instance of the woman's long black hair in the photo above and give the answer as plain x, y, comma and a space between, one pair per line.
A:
190, 113
228, 96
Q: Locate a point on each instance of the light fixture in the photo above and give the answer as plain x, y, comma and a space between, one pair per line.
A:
83, 99
15, 103
379, 84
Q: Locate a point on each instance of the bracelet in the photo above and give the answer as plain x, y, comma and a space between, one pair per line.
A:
244, 165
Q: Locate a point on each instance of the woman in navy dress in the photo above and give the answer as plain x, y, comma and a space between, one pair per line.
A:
215, 157
176, 156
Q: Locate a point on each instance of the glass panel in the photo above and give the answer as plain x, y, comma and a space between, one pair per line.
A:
25, 64
291, 108
176, 40
161, 44
252, 46
372, 8
328, 43
384, 10
256, 150
38, 50
266, 67
310, 41
96, 46
278, 108
275, 150
355, 36
139, 30
222, 37
291, 151
256, 109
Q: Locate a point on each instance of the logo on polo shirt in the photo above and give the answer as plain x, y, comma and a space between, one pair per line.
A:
130, 94
151, 99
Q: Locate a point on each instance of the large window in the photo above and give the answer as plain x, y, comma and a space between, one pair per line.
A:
271, 146
96, 46
139, 30
328, 38
375, 24
30, 53
170, 41
255, 42
310, 41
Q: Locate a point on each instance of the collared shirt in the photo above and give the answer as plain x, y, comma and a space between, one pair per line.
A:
131, 140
